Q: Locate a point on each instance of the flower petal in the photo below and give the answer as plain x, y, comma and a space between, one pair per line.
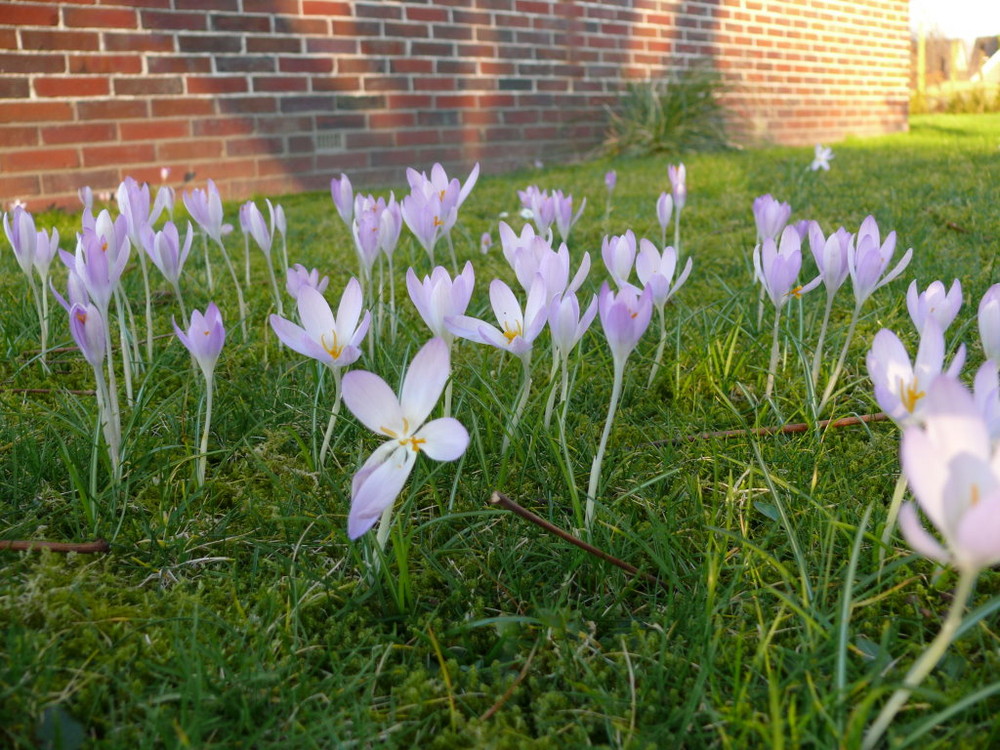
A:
424, 381
372, 401
446, 439
297, 339
378, 487
918, 537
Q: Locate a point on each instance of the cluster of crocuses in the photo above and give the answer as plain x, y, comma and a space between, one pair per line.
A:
949, 454
777, 261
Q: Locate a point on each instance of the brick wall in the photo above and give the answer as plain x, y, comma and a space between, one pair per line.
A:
271, 96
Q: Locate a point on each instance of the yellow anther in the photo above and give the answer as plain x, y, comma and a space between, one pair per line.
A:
512, 333
974, 491
413, 442
438, 222
796, 292
909, 395
334, 349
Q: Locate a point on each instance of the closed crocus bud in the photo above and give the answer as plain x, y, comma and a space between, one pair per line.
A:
934, 302
989, 322
343, 197
485, 243
87, 327
297, 277
770, 216
618, 254
678, 184
204, 338
610, 180
664, 209
20, 228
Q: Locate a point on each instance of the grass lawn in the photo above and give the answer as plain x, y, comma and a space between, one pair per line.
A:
238, 614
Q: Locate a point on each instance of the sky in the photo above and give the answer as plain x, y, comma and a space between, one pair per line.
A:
959, 19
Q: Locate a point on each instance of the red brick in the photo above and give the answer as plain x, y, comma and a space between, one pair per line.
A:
70, 182
336, 83
135, 153
418, 137
241, 23
183, 107
216, 43
273, 44
35, 112
391, 120
305, 65
185, 150
40, 160
148, 86
101, 18
18, 136
89, 132
160, 64
24, 14
254, 146
216, 84
284, 7
111, 109
280, 84
158, 20
46, 41
8, 39
19, 186
15, 88
105, 64
221, 127
244, 105
154, 130
325, 8
231, 6
142, 42
15, 62
71, 86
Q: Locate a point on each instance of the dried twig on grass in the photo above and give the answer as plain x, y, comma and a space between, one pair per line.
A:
99, 546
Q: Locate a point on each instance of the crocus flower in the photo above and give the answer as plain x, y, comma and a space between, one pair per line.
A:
204, 338
678, 184
830, 254
335, 341
770, 216
901, 386
517, 330
205, 207
450, 191
46, 247
165, 250
343, 197
252, 222
566, 324
86, 196
954, 473
19, 226
625, 316
402, 420
610, 180
822, 157
86, 324
426, 217
664, 210
485, 243
656, 271
437, 297
618, 253
986, 394
777, 267
868, 260
298, 277
133, 203
934, 302
390, 227
98, 266
564, 216
989, 322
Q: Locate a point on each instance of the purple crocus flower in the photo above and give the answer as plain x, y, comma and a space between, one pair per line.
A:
935, 303
87, 326
868, 260
664, 209
777, 267
610, 180
204, 338
770, 216
205, 207
343, 197
20, 229
438, 297
989, 322
678, 184
618, 253
625, 316
165, 250
297, 277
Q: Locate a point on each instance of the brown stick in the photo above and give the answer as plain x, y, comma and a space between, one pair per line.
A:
48, 390
488, 714
498, 498
783, 429
86, 548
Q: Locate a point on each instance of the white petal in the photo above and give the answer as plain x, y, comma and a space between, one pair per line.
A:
918, 537
424, 381
446, 439
378, 489
372, 401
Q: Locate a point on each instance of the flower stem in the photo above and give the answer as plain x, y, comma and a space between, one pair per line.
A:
384, 526
659, 347
126, 350
203, 450
522, 401
927, 661
274, 285
890, 520
550, 402
773, 365
180, 301
239, 291
333, 417
149, 305
828, 391
208, 265
574, 495
677, 236
595, 467
818, 355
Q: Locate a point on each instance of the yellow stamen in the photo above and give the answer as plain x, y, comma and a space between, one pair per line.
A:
909, 395
512, 333
334, 349
796, 292
387, 431
441, 195
974, 490
81, 316
414, 443
104, 246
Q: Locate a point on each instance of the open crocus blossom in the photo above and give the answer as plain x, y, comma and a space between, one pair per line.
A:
381, 478
954, 473
618, 253
868, 260
334, 341
821, 158
901, 386
934, 302
777, 266
989, 322
204, 338
297, 277
517, 329
205, 207
656, 271
437, 297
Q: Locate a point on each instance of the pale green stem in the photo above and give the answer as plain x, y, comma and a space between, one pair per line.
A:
45, 321
927, 661
104, 418
133, 328
659, 347
392, 301
595, 467
451, 250
384, 526
818, 356
284, 255
149, 305
890, 521
828, 391
42, 322
775, 347
208, 265
663, 235
677, 236
239, 291
522, 401
379, 306
203, 450
447, 397
573, 493
113, 432
550, 402
246, 259
274, 285
333, 416
180, 301
126, 350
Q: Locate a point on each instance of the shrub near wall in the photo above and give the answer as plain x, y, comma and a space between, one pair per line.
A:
277, 95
